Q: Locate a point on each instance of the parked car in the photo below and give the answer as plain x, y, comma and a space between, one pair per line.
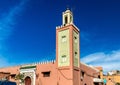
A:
7, 83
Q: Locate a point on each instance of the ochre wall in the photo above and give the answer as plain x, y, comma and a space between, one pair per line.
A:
113, 79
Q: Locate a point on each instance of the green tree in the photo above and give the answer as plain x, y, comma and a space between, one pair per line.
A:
20, 77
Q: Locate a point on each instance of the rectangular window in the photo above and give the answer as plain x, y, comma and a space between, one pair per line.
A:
75, 54
82, 74
66, 19
75, 39
64, 59
13, 76
64, 38
46, 74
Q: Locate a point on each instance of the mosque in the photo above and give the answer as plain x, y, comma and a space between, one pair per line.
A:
65, 70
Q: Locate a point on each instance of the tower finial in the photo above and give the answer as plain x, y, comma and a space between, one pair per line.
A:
67, 8
67, 17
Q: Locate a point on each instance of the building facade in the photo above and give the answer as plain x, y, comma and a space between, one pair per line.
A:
111, 78
66, 69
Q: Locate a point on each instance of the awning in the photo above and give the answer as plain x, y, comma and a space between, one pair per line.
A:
97, 80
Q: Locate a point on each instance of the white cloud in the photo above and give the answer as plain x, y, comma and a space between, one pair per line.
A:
109, 61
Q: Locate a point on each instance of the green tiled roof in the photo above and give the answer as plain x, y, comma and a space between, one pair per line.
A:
28, 67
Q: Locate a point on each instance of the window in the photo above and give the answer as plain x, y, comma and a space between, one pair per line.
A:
64, 38
13, 76
70, 18
98, 76
96, 83
64, 59
66, 20
46, 74
75, 53
75, 38
82, 74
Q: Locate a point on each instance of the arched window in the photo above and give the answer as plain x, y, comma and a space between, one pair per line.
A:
66, 19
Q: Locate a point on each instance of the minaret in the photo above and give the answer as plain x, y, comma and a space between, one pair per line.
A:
67, 51
67, 17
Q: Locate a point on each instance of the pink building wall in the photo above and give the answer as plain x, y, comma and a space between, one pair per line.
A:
41, 80
90, 73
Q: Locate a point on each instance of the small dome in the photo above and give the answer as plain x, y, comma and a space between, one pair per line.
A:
67, 10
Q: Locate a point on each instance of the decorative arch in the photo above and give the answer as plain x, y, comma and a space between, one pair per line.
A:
28, 80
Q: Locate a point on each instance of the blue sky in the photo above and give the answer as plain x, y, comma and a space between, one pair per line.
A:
27, 30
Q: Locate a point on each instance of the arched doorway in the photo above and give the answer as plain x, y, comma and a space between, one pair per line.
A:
27, 80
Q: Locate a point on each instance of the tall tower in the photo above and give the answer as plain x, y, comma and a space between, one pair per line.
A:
67, 51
